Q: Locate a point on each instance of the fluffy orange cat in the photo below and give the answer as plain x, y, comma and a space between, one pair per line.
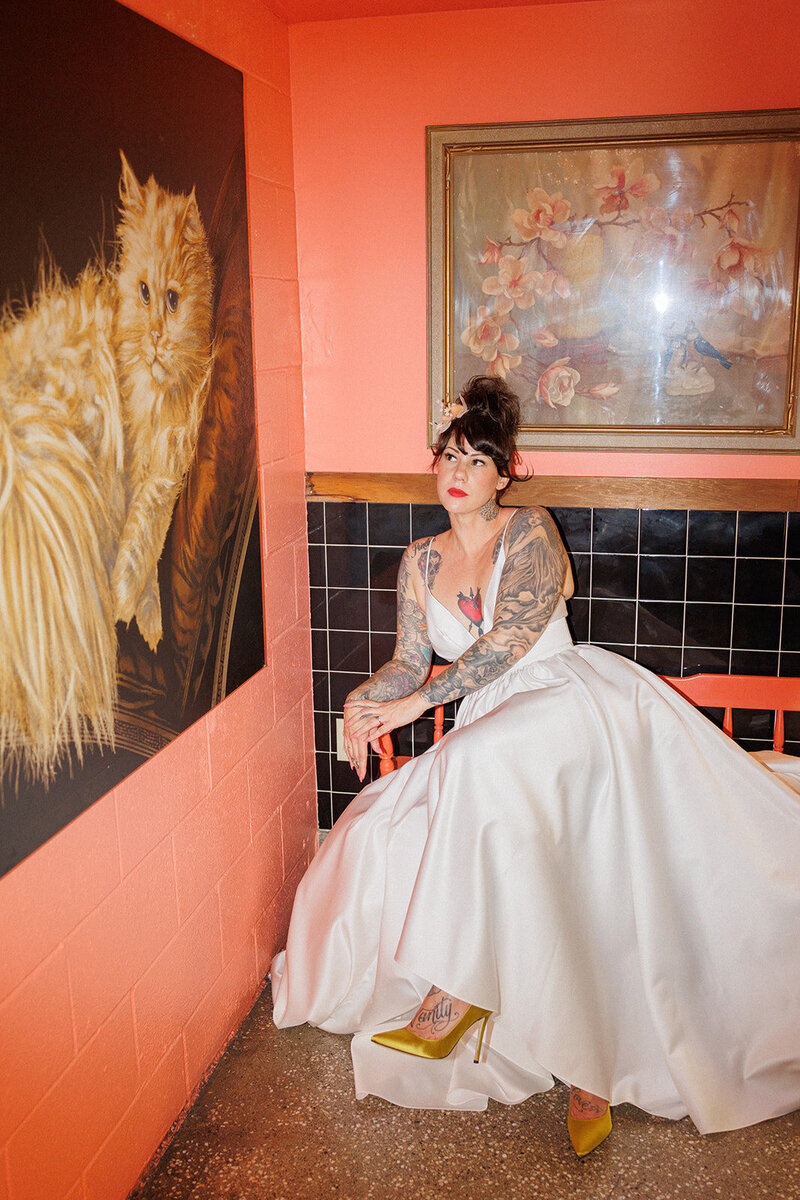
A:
102, 385
162, 350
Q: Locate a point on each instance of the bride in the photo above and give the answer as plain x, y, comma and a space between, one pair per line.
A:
585, 869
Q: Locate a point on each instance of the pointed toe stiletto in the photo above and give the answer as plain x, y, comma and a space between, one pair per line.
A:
586, 1133
410, 1043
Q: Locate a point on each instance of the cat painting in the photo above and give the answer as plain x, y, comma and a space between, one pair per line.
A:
162, 350
102, 385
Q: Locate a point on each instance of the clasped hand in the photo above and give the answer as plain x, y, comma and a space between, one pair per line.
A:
365, 721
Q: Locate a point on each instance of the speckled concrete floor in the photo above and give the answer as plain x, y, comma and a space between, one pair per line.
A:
278, 1121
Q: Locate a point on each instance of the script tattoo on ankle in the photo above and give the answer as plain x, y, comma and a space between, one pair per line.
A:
586, 1105
437, 1018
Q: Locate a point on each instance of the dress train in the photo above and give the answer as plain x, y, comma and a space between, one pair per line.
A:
591, 859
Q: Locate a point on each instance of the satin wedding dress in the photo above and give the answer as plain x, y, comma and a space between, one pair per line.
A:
590, 858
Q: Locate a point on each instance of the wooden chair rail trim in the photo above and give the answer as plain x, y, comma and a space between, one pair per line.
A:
750, 495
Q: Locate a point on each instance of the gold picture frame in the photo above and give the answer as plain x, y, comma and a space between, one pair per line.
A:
634, 280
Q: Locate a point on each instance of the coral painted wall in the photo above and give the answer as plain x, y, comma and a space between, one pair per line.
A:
134, 942
363, 92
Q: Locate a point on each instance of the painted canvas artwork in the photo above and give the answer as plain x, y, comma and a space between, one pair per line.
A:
130, 574
627, 282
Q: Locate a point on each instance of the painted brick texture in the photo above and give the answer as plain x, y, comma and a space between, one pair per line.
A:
135, 941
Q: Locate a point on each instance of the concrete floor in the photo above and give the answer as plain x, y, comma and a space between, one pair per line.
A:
278, 1121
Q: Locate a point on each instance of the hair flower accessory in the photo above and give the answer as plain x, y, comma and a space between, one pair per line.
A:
450, 410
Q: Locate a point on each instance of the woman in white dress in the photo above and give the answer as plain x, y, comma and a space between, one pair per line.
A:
584, 862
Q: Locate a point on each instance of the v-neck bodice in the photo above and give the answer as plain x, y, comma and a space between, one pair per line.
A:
450, 639
448, 636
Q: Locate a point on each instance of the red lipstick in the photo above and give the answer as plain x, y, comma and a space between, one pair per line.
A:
455, 492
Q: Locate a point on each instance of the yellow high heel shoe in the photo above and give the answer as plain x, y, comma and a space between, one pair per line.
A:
586, 1134
403, 1039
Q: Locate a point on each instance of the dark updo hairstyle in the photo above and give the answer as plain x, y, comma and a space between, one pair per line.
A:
489, 425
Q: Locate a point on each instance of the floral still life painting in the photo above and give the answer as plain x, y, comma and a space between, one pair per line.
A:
635, 289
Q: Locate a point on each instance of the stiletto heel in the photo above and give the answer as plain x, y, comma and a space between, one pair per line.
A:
410, 1043
586, 1134
477, 1057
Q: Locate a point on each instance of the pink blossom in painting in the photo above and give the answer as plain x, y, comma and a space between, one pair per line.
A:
544, 337
493, 252
737, 274
737, 257
603, 391
514, 281
682, 217
505, 362
544, 212
557, 383
548, 283
485, 338
731, 221
482, 334
627, 183
663, 234
654, 218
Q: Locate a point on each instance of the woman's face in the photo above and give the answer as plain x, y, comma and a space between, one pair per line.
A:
466, 480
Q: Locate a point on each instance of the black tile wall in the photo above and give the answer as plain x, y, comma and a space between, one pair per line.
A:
793, 536
678, 592
663, 531
711, 533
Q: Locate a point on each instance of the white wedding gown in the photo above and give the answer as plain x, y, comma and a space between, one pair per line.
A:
589, 857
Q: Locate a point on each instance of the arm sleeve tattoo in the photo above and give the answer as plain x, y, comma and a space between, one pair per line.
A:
409, 666
530, 587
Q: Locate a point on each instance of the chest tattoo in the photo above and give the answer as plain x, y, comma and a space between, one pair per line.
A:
472, 608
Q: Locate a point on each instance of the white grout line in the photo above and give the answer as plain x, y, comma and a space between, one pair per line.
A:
783, 587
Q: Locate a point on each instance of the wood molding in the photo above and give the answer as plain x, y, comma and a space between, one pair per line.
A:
562, 491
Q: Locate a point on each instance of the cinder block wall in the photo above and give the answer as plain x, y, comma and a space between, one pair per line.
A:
132, 943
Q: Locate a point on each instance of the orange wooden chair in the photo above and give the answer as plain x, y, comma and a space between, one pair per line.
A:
780, 694
391, 761
729, 692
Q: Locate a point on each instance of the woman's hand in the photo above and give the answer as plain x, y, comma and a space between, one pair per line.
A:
355, 747
365, 721
371, 719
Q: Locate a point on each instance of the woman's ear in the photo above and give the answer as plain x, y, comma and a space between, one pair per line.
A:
503, 483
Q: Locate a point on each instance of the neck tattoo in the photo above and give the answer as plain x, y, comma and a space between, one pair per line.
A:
490, 510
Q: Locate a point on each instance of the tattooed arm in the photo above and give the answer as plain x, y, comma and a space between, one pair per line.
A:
409, 665
530, 586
